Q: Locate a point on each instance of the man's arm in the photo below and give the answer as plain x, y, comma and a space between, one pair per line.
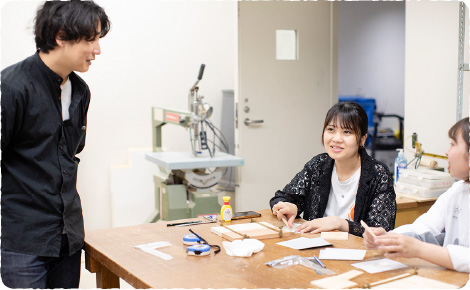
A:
11, 113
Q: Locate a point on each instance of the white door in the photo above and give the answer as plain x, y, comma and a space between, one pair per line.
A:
290, 96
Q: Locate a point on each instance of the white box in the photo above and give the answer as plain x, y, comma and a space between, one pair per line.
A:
426, 178
422, 191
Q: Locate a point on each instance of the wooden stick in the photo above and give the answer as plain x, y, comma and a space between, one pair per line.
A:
277, 230
391, 279
240, 234
366, 227
285, 221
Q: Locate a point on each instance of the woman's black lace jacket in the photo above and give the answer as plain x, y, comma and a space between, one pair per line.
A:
375, 198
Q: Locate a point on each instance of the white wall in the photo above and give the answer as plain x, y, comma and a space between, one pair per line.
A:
151, 57
371, 54
431, 73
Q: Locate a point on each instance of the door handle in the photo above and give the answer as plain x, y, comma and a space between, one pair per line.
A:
248, 122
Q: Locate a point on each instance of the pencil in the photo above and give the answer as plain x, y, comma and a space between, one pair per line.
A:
319, 262
367, 228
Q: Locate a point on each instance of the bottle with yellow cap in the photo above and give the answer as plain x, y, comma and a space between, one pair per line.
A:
226, 210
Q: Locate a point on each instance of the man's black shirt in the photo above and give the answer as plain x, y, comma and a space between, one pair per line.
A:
39, 168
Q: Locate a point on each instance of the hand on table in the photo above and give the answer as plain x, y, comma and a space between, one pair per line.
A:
325, 224
287, 209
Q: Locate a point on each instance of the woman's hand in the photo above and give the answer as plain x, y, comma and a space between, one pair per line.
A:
287, 209
369, 240
325, 224
397, 245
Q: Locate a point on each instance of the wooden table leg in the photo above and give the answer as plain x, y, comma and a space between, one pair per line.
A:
105, 279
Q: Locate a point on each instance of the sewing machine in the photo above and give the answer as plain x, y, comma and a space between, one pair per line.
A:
183, 186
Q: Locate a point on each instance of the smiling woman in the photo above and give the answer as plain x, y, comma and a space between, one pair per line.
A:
339, 188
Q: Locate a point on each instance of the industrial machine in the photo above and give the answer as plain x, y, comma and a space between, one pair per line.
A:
183, 186
420, 153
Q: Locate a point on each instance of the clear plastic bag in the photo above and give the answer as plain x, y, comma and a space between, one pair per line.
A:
293, 260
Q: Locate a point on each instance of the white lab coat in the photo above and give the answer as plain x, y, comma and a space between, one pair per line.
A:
447, 224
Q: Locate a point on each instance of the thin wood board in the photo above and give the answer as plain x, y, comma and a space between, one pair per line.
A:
252, 230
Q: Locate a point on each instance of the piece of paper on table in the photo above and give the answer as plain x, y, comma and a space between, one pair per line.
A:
338, 281
341, 254
377, 266
335, 235
150, 248
287, 229
304, 243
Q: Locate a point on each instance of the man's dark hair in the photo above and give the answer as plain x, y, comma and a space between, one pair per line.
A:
348, 115
69, 20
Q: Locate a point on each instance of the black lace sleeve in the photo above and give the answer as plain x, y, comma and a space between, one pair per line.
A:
296, 190
383, 205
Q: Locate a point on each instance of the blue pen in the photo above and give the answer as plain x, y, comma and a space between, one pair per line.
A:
319, 262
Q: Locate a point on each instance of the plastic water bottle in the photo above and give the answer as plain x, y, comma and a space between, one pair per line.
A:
400, 164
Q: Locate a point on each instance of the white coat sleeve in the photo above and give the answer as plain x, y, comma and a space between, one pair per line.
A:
460, 257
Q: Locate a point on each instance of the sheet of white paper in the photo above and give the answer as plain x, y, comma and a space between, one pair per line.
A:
287, 229
304, 243
342, 254
377, 266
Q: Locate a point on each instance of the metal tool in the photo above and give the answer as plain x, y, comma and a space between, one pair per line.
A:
184, 192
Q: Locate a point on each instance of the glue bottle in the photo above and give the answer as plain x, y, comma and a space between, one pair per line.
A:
226, 210
400, 164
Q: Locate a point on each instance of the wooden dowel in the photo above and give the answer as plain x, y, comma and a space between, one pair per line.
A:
390, 279
277, 230
240, 234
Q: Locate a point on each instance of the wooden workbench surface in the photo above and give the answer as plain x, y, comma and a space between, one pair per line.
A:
111, 254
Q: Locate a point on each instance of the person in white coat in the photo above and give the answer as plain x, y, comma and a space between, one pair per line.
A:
441, 235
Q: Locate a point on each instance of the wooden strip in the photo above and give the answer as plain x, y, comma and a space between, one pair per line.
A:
391, 279
274, 229
242, 235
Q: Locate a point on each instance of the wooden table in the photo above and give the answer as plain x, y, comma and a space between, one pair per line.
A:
111, 255
409, 209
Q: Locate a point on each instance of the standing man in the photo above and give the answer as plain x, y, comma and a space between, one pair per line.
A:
44, 112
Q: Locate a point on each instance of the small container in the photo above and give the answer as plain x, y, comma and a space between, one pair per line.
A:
422, 191
400, 164
427, 178
198, 250
226, 210
191, 239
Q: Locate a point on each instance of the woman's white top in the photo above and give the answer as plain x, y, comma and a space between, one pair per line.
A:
342, 198
66, 98
447, 224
